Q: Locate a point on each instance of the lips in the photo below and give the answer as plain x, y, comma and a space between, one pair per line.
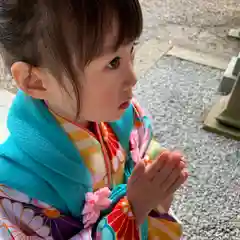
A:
125, 104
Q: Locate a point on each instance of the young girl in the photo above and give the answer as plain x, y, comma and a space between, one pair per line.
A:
78, 161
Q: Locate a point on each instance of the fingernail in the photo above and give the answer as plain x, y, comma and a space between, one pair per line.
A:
182, 165
186, 175
183, 159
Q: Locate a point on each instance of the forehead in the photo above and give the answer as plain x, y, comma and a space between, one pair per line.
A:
114, 26
111, 44
111, 38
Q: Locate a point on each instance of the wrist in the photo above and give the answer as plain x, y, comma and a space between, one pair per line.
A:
138, 211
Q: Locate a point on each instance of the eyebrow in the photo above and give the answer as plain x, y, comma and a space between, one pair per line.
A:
110, 49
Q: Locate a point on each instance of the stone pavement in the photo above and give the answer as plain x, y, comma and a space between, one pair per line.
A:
198, 25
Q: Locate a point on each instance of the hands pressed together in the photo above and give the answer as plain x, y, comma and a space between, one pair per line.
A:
153, 185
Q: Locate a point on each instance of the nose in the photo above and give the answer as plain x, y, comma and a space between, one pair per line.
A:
130, 77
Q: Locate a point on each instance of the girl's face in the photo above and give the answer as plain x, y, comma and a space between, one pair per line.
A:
108, 84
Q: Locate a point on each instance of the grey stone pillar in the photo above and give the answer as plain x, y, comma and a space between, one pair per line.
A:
230, 76
234, 32
224, 117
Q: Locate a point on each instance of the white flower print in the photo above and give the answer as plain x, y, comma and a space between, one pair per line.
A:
118, 159
24, 218
10, 193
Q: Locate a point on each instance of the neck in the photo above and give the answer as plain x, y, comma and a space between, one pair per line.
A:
68, 116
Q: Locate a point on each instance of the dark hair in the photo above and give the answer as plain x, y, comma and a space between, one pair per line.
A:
48, 33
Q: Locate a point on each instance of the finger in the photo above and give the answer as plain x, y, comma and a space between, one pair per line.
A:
174, 187
153, 169
177, 157
182, 165
177, 162
173, 162
177, 154
171, 179
180, 156
137, 172
185, 175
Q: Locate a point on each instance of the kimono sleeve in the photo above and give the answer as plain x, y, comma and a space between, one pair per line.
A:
25, 218
11, 227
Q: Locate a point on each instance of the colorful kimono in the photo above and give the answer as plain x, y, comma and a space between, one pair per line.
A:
60, 181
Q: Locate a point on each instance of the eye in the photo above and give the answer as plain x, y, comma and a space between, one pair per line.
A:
115, 63
133, 49
135, 44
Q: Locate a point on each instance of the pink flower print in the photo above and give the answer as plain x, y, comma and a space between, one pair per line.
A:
139, 140
95, 203
144, 135
134, 141
85, 234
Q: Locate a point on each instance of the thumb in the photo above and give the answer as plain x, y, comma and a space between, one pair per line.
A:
137, 172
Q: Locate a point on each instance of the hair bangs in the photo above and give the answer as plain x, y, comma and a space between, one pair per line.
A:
129, 20
123, 18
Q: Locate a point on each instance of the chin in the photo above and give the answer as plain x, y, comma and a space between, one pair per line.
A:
116, 117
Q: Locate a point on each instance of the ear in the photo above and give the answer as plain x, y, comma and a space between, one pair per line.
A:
29, 79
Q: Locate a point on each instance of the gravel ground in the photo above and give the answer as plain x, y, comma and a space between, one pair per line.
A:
199, 25
176, 94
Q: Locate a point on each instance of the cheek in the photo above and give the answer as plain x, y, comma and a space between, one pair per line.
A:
104, 100
106, 94
102, 90
110, 97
